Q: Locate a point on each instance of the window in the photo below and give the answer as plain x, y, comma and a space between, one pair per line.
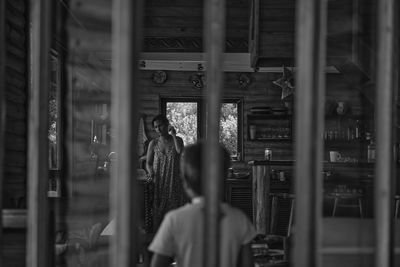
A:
229, 127
185, 114
54, 113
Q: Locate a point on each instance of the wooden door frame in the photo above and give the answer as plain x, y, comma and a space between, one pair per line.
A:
2, 102
38, 239
127, 25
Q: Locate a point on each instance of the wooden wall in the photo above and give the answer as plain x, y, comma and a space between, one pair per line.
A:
16, 97
262, 92
88, 36
177, 26
168, 26
13, 248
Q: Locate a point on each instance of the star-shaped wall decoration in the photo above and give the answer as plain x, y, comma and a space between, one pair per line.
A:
286, 82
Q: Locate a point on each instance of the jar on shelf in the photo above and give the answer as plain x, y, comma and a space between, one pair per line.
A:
268, 154
358, 130
371, 151
253, 130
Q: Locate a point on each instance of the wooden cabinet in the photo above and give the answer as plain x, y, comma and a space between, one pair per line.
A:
268, 178
269, 127
272, 32
238, 193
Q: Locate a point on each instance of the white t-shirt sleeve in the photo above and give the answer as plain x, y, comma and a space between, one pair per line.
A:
249, 232
163, 240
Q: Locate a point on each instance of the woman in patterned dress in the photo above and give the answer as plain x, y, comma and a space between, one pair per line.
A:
163, 164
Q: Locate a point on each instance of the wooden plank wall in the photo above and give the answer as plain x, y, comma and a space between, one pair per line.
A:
169, 26
277, 28
88, 34
277, 31
16, 97
260, 93
16, 87
177, 26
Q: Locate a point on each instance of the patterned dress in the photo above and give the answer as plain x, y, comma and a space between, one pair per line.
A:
168, 190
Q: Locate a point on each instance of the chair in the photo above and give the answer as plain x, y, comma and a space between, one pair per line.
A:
280, 228
282, 207
345, 197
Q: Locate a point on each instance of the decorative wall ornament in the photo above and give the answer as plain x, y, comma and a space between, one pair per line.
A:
244, 80
286, 82
191, 44
197, 80
159, 77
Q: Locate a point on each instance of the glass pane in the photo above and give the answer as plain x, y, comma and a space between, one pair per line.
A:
82, 209
229, 127
54, 112
183, 117
349, 133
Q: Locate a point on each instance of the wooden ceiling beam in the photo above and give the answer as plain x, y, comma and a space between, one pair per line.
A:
233, 62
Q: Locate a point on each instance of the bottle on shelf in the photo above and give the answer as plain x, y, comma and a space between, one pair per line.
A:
342, 135
371, 151
357, 130
350, 134
330, 135
336, 135
368, 137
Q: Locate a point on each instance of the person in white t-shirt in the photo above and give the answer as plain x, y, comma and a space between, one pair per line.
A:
180, 236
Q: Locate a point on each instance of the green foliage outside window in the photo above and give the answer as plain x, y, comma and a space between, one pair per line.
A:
53, 114
229, 127
183, 116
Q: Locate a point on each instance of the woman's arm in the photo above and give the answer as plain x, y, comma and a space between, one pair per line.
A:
150, 159
178, 142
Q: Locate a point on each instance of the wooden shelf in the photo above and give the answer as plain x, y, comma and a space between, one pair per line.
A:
269, 116
352, 143
269, 127
263, 139
359, 164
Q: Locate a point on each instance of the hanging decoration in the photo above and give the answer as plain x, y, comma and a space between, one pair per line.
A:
197, 80
244, 80
286, 82
159, 77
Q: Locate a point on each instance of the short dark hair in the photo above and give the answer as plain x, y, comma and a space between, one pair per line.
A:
193, 165
160, 117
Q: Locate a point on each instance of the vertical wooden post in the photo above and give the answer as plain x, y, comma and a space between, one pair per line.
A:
126, 40
214, 18
384, 121
261, 187
3, 109
37, 173
310, 93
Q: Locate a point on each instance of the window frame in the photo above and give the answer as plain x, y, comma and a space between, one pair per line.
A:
163, 107
201, 116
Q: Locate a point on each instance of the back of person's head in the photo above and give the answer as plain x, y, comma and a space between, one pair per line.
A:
192, 166
160, 118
